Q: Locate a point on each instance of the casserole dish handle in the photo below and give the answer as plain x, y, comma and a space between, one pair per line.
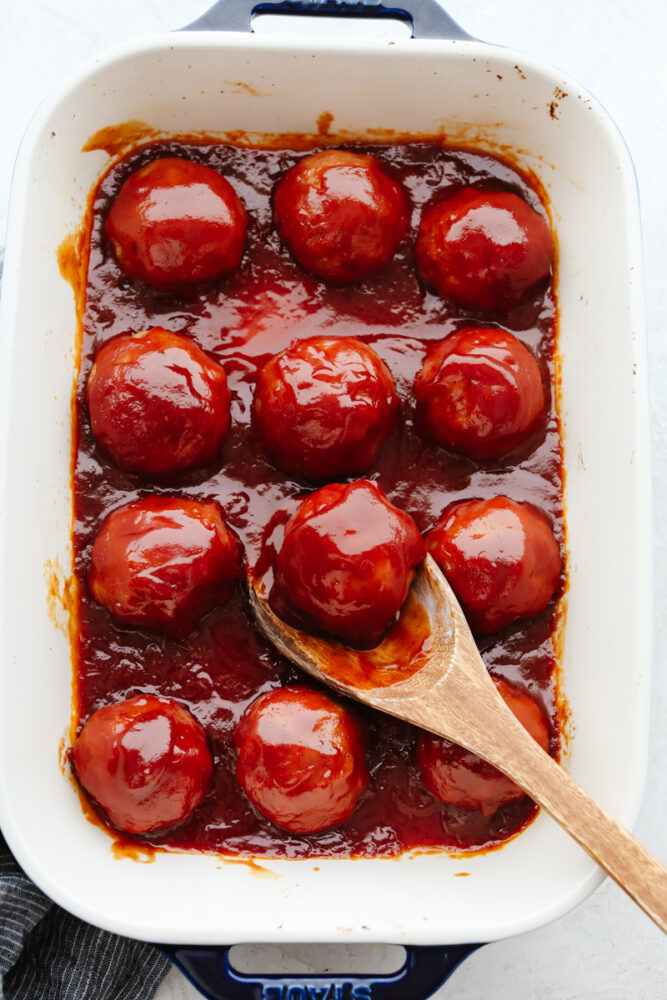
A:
426, 17
424, 970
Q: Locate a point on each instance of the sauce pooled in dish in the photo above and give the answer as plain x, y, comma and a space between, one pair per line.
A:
332, 372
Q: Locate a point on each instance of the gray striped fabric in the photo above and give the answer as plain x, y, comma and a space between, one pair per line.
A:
47, 954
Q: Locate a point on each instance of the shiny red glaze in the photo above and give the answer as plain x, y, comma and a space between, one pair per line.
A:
500, 557
460, 778
163, 562
157, 403
301, 759
484, 249
324, 407
479, 393
225, 663
347, 561
145, 762
175, 223
340, 214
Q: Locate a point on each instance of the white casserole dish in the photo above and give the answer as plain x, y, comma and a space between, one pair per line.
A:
472, 93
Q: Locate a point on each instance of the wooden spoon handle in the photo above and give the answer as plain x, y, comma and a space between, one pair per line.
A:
628, 862
477, 717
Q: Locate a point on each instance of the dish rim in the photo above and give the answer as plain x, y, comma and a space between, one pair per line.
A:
20, 191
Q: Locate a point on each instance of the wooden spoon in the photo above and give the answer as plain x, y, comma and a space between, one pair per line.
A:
446, 689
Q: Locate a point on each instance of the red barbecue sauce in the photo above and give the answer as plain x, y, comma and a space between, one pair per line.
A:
242, 321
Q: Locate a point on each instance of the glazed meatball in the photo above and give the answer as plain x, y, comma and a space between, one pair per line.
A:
157, 403
500, 557
460, 778
484, 249
340, 214
301, 759
145, 762
163, 562
479, 393
175, 223
324, 407
347, 561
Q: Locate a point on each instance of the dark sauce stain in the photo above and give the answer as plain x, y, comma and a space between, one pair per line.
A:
225, 663
241, 87
71, 257
61, 594
554, 105
324, 123
259, 871
118, 139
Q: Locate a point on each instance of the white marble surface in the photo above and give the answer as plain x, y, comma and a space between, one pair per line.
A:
606, 949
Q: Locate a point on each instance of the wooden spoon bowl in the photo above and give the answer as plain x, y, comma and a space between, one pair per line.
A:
428, 671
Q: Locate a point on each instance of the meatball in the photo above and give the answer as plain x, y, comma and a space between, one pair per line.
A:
163, 562
479, 393
347, 561
301, 759
460, 778
324, 407
145, 762
500, 557
340, 214
175, 223
157, 403
484, 249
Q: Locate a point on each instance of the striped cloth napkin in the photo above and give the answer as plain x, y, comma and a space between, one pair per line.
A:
47, 954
